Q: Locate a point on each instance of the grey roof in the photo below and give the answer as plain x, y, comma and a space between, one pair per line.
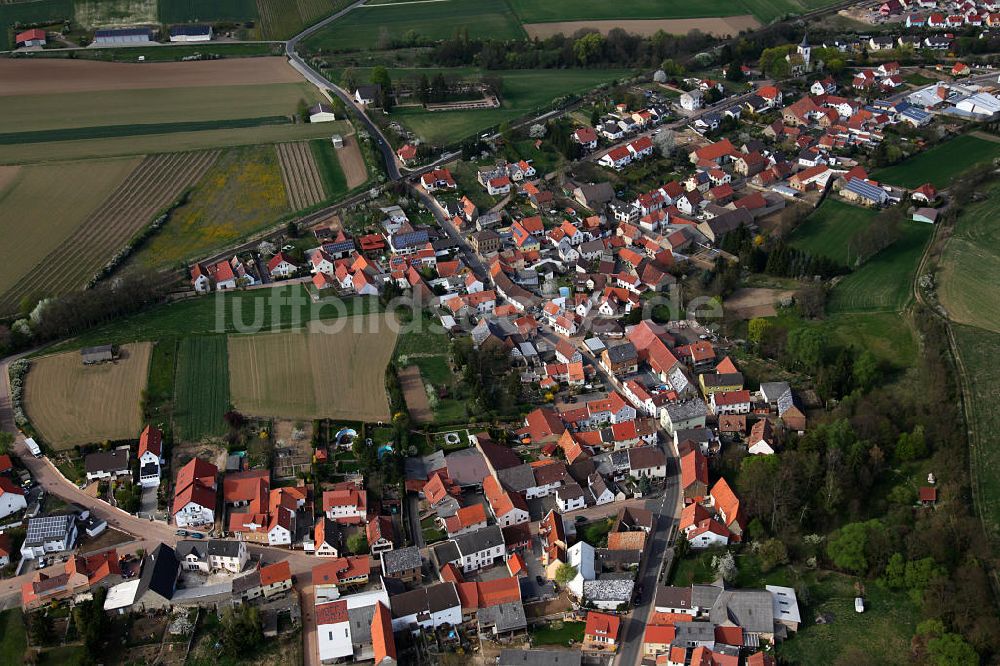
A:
191, 547
248, 582
190, 30
421, 468
597, 485
47, 528
99, 353
693, 434
445, 552
112, 461
753, 610
224, 547
785, 402
434, 598
704, 596
646, 457
517, 479
694, 632
689, 409
723, 379
786, 605
401, 559
619, 459
369, 91
866, 190
673, 597
622, 353
361, 623
773, 390
159, 572
504, 617
569, 491
510, 657
609, 589
480, 540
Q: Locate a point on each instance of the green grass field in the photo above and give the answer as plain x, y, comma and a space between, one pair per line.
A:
158, 406
547, 11
882, 633
524, 92
241, 193
334, 180
13, 638
937, 165
379, 26
81, 112
202, 387
978, 350
111, 131
83, 149
280, 19
264, 309
193, 11
828, 229
885, 282
967, 281
550, 634
885, 334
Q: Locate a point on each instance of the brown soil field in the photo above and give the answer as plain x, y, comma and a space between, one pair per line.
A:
416, 397
153, 185
298, 169
755, 302
334, 369
8, 174
69, 403
720, 27
40, 77
352, 162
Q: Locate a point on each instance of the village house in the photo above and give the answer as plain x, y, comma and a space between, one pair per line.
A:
195, 494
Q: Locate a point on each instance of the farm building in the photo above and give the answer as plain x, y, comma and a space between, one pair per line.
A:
321, 113
191, 33
368, 94
337, 141
33, 37
99, 354
110, 36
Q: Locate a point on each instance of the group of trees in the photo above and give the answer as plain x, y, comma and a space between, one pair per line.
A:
585, 48
76, 311
835, 480
494, 386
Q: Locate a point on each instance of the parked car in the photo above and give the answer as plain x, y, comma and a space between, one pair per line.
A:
196, 535
181, 533
539, 580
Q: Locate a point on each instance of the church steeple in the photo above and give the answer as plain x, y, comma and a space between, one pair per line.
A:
805, 50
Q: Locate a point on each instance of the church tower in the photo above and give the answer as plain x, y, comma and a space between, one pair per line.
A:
805, 51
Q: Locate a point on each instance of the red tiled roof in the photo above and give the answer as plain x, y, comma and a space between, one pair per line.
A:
383, 643
275, 573
334, 612
151, 440
603, 625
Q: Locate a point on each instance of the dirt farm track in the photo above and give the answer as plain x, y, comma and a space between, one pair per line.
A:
40, 77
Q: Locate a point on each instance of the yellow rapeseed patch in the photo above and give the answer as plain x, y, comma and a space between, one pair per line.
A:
241, 194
